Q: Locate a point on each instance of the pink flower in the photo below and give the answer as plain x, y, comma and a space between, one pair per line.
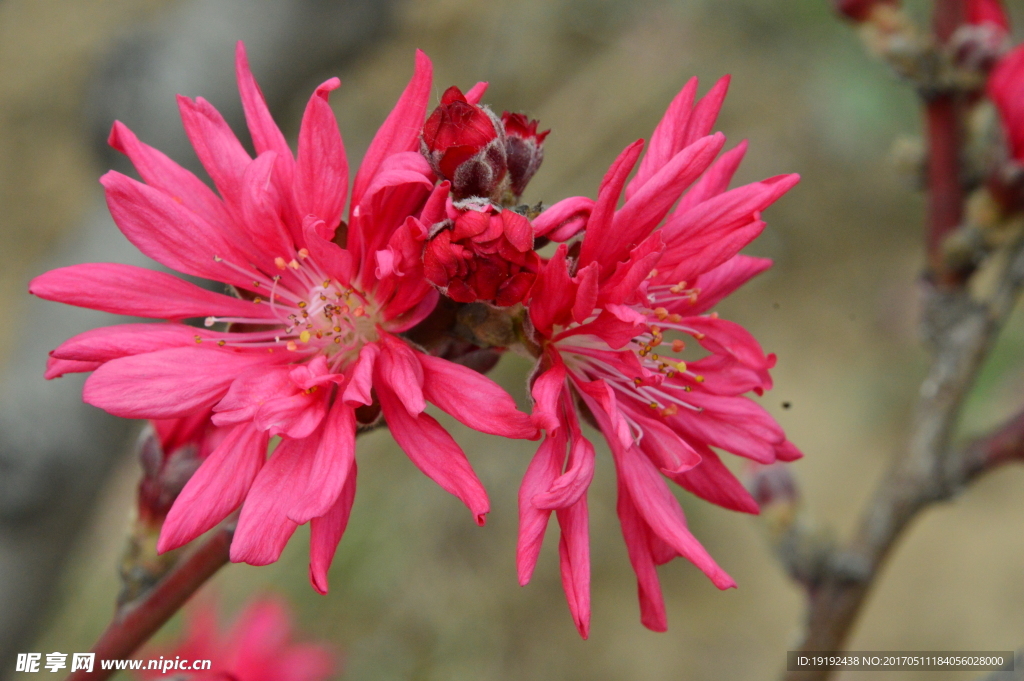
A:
309, 349
609, 315
258, 647
1006, 90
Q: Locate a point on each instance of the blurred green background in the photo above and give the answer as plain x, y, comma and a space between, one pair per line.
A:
418, 591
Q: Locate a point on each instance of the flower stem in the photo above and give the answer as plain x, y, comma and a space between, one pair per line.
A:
136, 621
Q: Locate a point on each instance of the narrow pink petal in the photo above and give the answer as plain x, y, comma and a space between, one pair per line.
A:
661, 511
166, 231
55, 368
334, 458
220, 152
713, 482
667, 138
715, 180
722, 336
401, 129
551, 298
473, 399
736, 424
110, 342
358, 389
645, 209
400, 369
157, 170
216, 489
574, 561
326, 531
476, 93
719, 282
788, 451
321, 180
433, 451
263, 526
703, 253
600, 223
260, 206
586, 294
136, 291
166, 384
333, 260
546, 392
542, 471
571, 486
638, 544
705, 113
564, 219
266, 136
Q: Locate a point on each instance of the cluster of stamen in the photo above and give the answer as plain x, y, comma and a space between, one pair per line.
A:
314, 313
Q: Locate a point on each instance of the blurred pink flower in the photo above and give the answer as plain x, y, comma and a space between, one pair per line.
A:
258, 647
308, 350
608, 315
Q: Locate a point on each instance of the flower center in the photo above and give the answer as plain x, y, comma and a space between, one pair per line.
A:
316, 315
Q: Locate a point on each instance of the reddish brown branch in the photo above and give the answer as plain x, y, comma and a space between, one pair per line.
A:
945, 191
135, 622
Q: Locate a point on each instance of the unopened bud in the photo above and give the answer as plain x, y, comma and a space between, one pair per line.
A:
524, 149
465, 144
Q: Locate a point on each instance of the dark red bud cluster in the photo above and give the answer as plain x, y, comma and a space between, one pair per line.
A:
482, 255
478, 153
860, 10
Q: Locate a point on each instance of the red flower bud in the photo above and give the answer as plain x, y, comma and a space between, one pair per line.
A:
483, 254
860, 10
465, 144
524, 149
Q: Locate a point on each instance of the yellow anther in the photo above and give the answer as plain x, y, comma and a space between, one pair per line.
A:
675, 318
222, 343
303, 253
257, 300
699, 336
713, 315
660, 312
280, 263
678, 345
337, 329
359, 311
327, 283
292, 346
337, 339
209, 321
294, 264
670, 410
302, 304
199, 339
638, 382
656, 330
681, 366
217, 258
688, 388
323, 297
655, 357
255, 284
653, 405
304, 336
698, 378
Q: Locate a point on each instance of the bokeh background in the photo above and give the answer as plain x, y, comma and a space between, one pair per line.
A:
418, 591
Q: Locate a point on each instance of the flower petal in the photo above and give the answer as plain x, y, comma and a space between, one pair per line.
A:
326, 531
216, 489
166, 384
473, 399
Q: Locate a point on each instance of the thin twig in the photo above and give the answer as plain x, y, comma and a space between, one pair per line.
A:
135, 622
